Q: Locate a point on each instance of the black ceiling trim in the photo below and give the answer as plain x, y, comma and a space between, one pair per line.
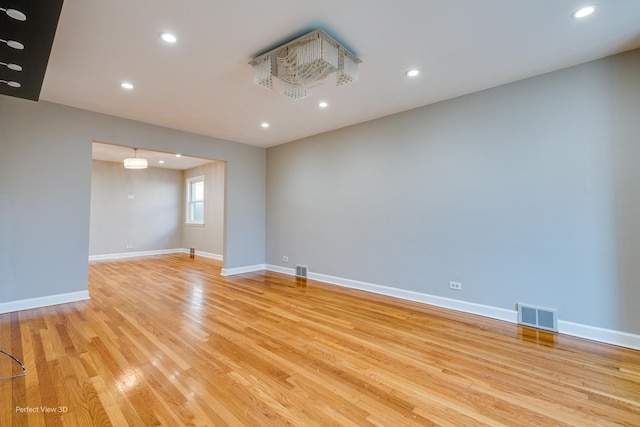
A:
36, 33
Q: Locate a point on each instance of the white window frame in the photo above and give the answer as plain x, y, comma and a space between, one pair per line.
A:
191, 202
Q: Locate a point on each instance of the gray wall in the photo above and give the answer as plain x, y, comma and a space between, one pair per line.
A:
208, 237
527, 192
45, 185
152, 220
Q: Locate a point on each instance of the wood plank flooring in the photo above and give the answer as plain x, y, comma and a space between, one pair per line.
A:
167, 341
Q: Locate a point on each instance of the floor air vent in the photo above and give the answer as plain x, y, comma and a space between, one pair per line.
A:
301, 271
543, 318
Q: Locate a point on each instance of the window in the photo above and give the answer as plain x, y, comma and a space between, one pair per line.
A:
195, 200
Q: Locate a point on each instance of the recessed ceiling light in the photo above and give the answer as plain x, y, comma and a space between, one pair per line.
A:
178, 155
15, 14
126, 85
161, 161
168, 37
265, 125
412, 73
14, 67
11, 83
584, 11
323, 105
14, 44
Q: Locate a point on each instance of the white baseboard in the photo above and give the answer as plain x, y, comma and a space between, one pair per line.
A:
467, 307
242, 270
140, 254
607, 336
283, 270
453, 304
205, 254
137, 254
26, 304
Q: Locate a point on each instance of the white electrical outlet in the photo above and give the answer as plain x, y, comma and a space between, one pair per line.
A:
457, 286
129, 246
285, 258
130, 196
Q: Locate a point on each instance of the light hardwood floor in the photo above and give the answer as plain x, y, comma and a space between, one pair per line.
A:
168, 341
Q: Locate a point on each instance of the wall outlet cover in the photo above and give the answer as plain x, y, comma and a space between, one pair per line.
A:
457, 286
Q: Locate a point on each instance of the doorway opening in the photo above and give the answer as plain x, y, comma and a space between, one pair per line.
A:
140, 212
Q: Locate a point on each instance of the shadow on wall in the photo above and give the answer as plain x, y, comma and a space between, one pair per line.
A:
623, 110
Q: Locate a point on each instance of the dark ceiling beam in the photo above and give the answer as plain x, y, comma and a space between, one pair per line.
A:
36, 33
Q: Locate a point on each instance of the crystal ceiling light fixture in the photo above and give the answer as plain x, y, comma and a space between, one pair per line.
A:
135, 162
301, 63
15, 14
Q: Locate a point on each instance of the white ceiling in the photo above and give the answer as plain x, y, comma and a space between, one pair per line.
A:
203, 83
117, 153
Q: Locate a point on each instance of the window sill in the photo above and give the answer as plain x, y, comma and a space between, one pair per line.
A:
194, 224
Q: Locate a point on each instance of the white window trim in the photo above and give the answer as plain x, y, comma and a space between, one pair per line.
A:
199, 178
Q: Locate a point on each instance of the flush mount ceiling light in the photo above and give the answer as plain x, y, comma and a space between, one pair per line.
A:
126, 85
168, 37
301, 63
135, 162
265, 125
323, 104
412, 73
15, 14
583, 12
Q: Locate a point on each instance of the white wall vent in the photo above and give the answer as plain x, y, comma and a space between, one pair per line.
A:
301, 271
538, 317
